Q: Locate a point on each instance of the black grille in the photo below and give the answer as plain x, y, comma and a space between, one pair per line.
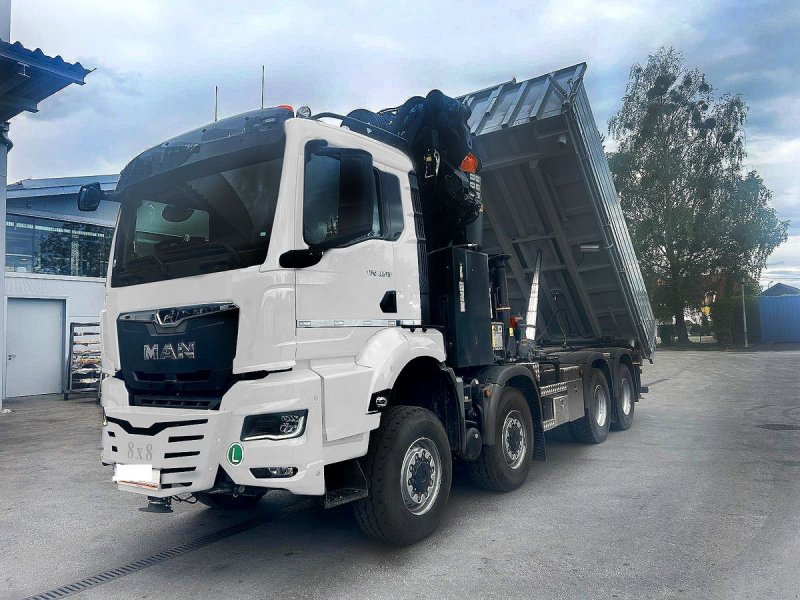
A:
181, 454
155, 428
178, 470
186, 365
205, 403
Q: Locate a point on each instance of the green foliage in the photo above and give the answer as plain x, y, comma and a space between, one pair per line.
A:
695, 217
666, 331
727, 323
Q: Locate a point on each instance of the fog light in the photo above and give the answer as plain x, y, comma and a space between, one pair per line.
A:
273, 472
274, 426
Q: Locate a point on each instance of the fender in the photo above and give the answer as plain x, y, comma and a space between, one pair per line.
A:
390, 350
611, 357
496, 378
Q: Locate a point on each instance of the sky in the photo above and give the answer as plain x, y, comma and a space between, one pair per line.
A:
157, 62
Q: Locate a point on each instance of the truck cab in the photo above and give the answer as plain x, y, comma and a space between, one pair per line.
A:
215, 315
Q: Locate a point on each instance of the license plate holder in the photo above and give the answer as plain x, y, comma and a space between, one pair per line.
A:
141, 476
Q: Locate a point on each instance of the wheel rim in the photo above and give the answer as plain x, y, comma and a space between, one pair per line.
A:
600, 405
515, 443
627, 396
421, 476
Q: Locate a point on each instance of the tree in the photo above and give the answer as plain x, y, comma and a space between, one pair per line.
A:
695, 217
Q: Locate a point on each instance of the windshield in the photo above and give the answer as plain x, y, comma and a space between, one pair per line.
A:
215, 222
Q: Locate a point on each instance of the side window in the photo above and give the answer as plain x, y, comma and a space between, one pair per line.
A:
340, 197
392, 204
347, 200
320, 199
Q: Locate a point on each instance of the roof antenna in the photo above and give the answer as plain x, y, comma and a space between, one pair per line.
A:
262, 87
216, 101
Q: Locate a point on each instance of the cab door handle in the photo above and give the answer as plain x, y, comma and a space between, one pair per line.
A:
389, 302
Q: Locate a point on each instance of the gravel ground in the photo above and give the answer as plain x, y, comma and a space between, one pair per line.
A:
696, 501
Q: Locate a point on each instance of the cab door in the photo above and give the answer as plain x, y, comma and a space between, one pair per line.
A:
349, 216
345, 293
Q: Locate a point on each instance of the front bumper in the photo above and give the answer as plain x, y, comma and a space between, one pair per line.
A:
190, 446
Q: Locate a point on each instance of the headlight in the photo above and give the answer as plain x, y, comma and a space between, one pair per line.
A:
274, 426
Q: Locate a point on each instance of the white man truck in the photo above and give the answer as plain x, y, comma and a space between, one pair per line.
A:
343, 310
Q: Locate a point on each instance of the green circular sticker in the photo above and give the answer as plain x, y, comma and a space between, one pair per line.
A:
235, 453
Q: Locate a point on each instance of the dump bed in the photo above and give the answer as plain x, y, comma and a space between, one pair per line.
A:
547, 189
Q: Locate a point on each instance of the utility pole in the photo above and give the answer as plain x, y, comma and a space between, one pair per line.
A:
744, 315
216, 101
262, 87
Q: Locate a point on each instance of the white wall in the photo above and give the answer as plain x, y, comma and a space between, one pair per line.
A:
84, 295
83, 299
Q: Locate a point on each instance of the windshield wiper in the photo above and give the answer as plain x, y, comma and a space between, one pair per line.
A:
236, 262
142, 259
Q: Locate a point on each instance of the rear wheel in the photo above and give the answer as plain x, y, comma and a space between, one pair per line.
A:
624, 406
409, 470
229, 501
504, 466
592, 428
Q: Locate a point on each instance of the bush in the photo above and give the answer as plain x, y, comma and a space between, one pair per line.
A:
666, 332
727, 323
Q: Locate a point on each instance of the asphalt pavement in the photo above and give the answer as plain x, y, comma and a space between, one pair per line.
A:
698, 500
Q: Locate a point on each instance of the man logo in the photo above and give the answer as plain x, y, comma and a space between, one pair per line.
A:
169, 351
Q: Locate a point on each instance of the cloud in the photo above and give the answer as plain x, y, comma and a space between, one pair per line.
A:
109, 89
784, 264
157, 63
775, 156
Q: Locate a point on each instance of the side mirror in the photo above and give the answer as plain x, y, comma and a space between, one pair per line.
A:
90, 196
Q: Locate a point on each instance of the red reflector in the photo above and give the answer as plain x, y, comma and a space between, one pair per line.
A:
470, 163
513, 322
286, 106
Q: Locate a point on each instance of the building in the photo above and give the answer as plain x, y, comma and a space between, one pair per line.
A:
781, 289
26, 78
56, 260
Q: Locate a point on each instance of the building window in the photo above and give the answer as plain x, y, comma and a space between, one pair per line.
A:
36, 245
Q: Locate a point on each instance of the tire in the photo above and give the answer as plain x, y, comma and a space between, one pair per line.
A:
504, 466
625, 405
229, 502
592, 428
407, 492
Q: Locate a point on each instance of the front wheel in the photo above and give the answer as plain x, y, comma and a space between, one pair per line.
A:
592, 428
409, 470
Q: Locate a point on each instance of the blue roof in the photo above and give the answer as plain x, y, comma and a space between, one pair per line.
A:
59, 186
29, 76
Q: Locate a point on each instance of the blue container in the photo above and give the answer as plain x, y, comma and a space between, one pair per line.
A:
780, 318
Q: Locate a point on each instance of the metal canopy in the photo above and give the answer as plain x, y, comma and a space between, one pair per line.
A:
29, 76
547, 189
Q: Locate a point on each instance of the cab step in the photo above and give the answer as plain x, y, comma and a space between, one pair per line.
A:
344, 482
